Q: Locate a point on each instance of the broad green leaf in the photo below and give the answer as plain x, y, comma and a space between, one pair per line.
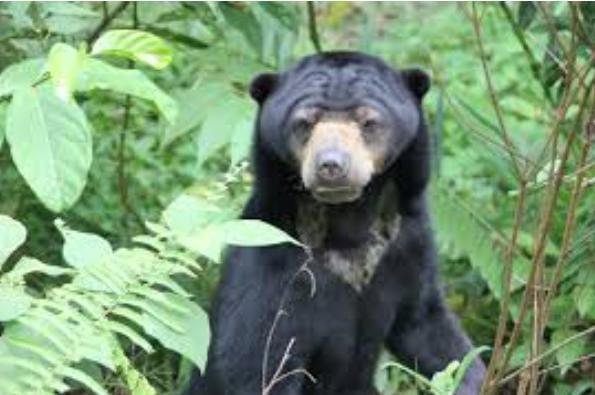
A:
211, 240
192, 342
100, 75
14, 301
82, 249
241, 140
12, 235
50, 143
220, 125
21, 75
135, 45
571, 351
215, 133
68, 8
194, 105
240, 17
284, 13
251, 232
64, 64
28, 265
188, 214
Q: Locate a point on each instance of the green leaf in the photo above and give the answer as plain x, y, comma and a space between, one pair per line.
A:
2, 123
135, 45
100, 75
215, 132
83, 378
211, 240
83, 249
50, 143
21, 75
14, 301
12, 235
194, 105
570, 352
252, 232
28, 265
284, 13
526, 14
189, 214
584, 296
194, 339
241, 140
240, 17
64, 64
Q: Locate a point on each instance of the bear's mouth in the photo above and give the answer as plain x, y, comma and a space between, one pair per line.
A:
336, 195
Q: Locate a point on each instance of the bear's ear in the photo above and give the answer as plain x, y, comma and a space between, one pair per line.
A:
262, 86
417, 80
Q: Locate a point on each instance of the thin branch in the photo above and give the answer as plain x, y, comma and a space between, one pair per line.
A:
492, 92
107, 19
520, 35
312, 27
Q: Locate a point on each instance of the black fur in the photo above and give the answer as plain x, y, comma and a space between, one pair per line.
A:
335, 332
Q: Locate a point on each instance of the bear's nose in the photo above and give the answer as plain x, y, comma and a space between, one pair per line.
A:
332, 165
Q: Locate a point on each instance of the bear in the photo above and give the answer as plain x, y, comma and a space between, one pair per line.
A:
341, 162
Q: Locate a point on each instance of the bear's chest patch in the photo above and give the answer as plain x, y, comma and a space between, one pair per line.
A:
355, 266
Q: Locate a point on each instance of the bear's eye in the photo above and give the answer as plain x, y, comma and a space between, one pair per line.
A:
302, 128
370, 125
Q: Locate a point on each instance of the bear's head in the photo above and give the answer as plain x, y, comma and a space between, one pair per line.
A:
339, 120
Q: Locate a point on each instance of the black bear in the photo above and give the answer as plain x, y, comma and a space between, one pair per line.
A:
341, 162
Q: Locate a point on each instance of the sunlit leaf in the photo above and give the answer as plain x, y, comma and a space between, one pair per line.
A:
135, 45
82, 249
12, 235
14, 301
21, 75
64, 64
100, 75
50, 143
192, 342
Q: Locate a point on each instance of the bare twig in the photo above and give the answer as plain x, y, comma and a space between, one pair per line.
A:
312, 27
107, 19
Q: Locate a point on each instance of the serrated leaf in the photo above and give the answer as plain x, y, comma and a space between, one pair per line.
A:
83, 249
192, 342
100, 75
14, 301
50, 143
64, 65
135, 45
21, 75
12, 235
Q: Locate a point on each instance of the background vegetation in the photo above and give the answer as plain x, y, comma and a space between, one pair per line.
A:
128, 124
